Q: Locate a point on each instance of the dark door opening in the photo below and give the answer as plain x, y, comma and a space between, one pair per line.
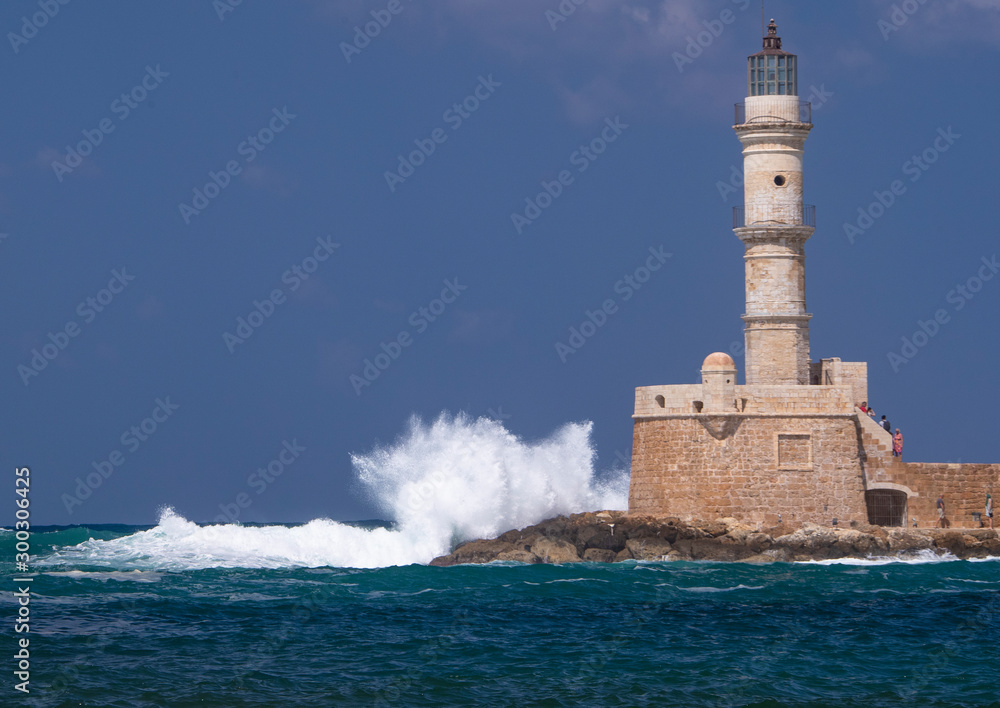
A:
886, 507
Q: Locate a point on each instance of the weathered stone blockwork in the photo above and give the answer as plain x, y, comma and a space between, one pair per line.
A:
964, 486
700, 468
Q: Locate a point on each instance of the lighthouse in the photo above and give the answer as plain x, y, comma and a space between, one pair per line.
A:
788, 443
774, 224
791, 444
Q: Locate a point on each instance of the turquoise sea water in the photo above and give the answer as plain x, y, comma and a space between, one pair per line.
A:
119, 622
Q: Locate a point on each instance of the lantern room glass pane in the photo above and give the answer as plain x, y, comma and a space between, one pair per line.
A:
772, 75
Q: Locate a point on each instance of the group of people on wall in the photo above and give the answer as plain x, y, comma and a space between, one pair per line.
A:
987, 517
897, 451
897, 439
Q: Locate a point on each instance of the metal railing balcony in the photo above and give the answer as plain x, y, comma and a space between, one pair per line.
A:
774, 216
778, 115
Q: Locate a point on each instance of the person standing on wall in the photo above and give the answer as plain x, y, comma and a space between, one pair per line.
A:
885, 425
940, 509
897, 444
989, 509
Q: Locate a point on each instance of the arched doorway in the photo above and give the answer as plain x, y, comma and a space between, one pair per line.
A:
886, 507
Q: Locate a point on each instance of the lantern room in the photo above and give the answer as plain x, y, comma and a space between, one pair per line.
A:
773, 72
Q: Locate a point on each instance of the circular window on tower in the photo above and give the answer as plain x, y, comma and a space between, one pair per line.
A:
780, 180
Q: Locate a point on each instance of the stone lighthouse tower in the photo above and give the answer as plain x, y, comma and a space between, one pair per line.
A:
773, 125
791, 444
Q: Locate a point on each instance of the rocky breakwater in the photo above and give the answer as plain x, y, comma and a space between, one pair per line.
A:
611, 536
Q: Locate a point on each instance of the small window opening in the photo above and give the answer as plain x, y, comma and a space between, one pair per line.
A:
780, 180
661, 401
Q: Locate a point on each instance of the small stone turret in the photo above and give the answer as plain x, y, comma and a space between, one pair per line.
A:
718, 382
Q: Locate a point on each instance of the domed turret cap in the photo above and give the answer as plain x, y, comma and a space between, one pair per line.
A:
719, 362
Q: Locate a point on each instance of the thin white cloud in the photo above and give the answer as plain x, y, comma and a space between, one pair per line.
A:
603, 58
610, 57
316, 293
481, 326
258, 176
48, 155
940, 23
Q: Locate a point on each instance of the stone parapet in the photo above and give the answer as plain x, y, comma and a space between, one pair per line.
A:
688, 401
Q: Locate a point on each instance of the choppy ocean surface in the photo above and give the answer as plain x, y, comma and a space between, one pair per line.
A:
110, 630
330, 614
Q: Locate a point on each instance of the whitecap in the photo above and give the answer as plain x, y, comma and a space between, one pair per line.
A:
920, 558
137, 576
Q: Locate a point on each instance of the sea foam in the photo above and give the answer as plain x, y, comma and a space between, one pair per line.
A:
452, 480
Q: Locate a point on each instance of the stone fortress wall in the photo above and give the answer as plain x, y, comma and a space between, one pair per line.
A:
964, 486
761, 471
760, 453
794, 454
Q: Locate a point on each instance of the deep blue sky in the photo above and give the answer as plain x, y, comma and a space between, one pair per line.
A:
880, 100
